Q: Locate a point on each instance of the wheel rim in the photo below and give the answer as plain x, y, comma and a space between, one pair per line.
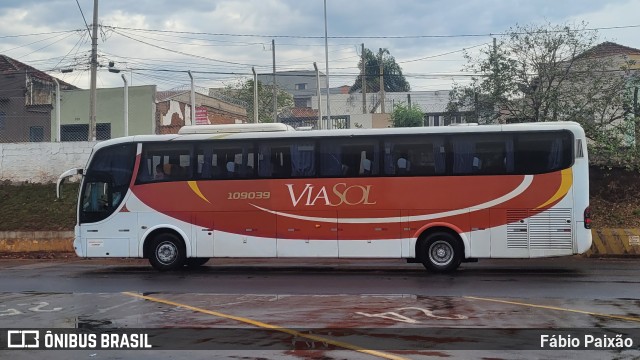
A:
440, 253
167, 252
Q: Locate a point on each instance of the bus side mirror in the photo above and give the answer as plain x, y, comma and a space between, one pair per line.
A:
66, 174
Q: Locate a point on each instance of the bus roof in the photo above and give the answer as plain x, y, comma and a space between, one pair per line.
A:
194, 135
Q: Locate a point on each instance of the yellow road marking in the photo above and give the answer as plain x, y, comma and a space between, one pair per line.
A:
261, 324
619, 317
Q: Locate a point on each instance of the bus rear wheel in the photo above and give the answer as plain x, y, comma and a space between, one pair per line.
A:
195, 262
441, 252
167, 252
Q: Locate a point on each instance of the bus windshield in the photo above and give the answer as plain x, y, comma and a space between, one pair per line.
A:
106, 182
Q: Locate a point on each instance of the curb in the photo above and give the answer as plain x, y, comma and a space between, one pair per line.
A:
615, 242
606, 242
36, 241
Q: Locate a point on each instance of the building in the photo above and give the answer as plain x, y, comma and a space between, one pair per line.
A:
74, 113
27, 96
432, 103
302, 85
173, 110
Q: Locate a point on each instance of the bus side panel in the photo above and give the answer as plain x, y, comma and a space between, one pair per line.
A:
369, 239
247, 234
113, 237
480, 233
300, 238
583, 237
178, 221
203, 235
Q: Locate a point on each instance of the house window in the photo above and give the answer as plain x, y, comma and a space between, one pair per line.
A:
103, 131
78, 132
302, 102
301, 86
36, 134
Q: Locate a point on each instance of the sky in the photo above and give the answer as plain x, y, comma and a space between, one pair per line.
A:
220, 41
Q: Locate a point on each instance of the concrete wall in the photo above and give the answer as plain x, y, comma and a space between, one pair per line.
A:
36, 241
41, 162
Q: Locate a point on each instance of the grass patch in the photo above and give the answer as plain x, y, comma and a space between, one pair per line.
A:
34, 207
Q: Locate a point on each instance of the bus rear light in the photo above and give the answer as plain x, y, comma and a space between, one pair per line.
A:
587, 218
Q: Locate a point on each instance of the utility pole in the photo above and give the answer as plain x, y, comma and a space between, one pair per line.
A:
381, 83
364, 81
193, 99
94, 68
315, 66
326, 59
126, 105
255, 95
275, 90
58, 137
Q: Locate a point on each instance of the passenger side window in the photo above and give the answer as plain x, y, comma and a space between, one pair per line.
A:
221, 160
349, 157
543, 152
420, 156
287, 159
165, 162
488, 154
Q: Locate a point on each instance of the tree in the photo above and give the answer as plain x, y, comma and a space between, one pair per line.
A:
394, 81
243, 91
407, 116
552, 73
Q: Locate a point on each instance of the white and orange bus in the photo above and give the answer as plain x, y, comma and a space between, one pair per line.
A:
435, 195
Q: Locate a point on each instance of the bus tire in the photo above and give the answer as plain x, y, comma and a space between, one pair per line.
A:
441, 252
167, 252
195, 262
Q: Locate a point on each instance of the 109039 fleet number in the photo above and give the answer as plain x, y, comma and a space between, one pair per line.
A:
248, 195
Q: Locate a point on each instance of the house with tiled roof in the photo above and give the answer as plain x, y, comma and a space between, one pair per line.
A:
27, 96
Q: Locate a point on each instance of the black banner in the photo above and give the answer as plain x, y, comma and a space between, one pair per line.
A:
322, 339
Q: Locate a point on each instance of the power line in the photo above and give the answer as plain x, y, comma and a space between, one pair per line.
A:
180, 52
443, 54
365, 36
46, 46
36, 34
78, 44
57, 34
83, 18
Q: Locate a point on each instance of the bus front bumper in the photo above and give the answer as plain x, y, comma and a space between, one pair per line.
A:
77, 243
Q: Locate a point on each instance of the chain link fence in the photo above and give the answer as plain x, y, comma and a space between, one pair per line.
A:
20, 122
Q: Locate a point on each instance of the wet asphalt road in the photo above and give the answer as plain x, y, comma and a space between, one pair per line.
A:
296, 294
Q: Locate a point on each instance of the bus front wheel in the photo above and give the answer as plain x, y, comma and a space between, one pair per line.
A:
441, 252
167, 252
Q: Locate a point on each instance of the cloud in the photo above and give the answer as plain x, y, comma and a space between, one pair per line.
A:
294, 18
